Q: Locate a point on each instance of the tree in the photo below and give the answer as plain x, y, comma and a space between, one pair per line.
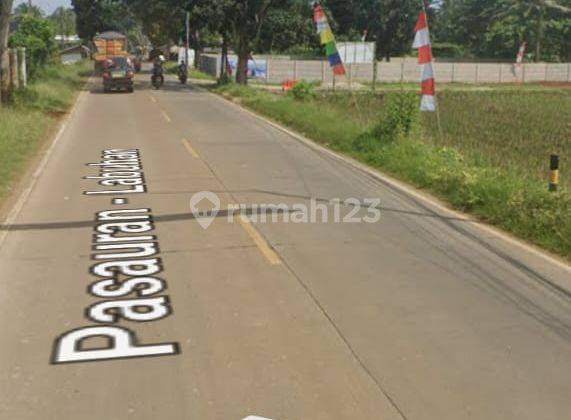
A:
496, 28
37, 35
389, 22
539, 11
63, 19
246, 23
5, 13
96, 16
162, 20
288, 25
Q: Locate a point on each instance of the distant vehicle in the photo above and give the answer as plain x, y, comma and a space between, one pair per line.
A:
109, 44
158, 78
118, 73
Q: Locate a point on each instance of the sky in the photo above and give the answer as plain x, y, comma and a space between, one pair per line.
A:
48, 6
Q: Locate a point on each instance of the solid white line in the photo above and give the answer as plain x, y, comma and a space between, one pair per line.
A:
407, 189
17, 208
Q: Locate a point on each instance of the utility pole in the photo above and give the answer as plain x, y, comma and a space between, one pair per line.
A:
187, 43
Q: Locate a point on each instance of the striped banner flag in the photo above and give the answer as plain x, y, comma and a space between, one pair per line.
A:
424, 47
328, 39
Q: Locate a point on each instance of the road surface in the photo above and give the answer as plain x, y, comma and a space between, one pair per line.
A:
421, 315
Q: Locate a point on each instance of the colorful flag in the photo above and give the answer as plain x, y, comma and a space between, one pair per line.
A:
424, 47
328, 39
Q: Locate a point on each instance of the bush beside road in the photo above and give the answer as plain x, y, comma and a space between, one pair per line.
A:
35, 112
491, 161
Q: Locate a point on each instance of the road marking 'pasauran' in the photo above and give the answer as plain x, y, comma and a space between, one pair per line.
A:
260, 242
190, 149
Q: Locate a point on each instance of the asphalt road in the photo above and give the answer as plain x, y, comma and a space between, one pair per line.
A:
421, 315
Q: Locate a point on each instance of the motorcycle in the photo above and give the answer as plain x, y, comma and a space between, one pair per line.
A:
182, 73
157, 79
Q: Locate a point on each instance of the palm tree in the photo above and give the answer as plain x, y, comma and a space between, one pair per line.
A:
534, 9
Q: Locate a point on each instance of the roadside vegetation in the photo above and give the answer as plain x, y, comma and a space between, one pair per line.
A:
491, 160
171, 67
34, 113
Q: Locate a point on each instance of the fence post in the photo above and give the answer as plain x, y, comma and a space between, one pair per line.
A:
322, 72
294, 69
523, 67
554, 173
375, 72
350, 75
4, 78
453, 72
268, 70
546, 72
22, 70
569, 72
13, 69
501, 72
477, 73
402, 71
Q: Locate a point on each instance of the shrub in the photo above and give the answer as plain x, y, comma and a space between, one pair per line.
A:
36, 34
302, 91
400, 117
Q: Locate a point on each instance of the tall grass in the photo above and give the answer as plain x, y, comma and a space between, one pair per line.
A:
35, 111
473, 166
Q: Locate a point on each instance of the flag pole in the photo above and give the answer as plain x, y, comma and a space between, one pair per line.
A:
425, 6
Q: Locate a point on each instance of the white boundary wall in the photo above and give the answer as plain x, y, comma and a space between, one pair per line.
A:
407, 70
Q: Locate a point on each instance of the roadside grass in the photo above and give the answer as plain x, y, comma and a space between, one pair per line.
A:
490, 161
33, 114
171, 67
504, 128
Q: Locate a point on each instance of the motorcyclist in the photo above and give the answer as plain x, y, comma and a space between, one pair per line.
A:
157, 78
158, 65
182, 72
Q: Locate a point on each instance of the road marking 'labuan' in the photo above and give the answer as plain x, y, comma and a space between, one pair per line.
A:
153, 98
190, 149
260, 242
166, 117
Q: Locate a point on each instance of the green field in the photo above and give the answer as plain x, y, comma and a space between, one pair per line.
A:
34, 113
508, 128
491, 159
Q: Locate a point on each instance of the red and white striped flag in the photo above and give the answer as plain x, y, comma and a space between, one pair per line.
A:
424, 47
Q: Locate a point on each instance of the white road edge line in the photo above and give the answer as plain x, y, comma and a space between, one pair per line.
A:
405, 188
19, 205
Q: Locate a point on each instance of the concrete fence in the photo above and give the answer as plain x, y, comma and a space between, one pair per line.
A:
405, 70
